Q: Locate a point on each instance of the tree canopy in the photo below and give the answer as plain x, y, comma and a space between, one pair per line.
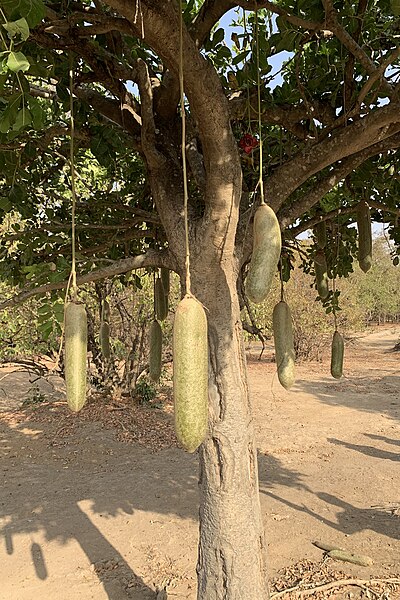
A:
330, 120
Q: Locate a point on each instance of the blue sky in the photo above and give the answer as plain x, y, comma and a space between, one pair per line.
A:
275, 61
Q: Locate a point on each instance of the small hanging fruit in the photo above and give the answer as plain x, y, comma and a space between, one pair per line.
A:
337, 355
364, 236
321, 274
283, 341
155, 344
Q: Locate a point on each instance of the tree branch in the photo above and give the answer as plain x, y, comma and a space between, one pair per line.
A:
378, 74
347, 210
148, 126
349, 42
293, 19
202, 85
112, 110
290, 214
287, 116
152, 258
349, 68
295, 231
371, 129
209, 14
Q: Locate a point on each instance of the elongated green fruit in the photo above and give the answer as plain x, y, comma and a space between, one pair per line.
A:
320, 234
337, 354
321, 274
284, 347
104, 335
165, 279
155, 343
75, 355
161, 300
105, 312
267, 245
190, 360
364, 236
105, 339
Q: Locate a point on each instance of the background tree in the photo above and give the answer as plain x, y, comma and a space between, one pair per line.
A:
330, 129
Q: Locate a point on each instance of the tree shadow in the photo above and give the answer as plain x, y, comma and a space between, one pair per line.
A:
373, 394
45, 489
368, 450
382, 438
350, 519
272, 473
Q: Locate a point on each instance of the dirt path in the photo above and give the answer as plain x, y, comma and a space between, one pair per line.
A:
89, 511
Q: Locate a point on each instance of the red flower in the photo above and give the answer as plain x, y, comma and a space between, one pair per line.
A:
248, 143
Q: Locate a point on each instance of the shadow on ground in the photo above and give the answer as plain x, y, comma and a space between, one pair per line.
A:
43, 489
371, 394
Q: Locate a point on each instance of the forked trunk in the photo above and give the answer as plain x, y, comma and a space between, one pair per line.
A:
231, 562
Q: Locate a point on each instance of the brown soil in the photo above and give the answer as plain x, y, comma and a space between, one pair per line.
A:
103, 505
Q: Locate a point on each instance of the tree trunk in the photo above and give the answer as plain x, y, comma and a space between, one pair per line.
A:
231, 562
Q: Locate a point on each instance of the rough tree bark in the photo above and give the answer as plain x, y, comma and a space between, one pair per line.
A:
231, 563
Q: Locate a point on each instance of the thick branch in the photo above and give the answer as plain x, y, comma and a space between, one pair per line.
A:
148, 125
375, 127
209, 14
152, 258
202, 85
292, 213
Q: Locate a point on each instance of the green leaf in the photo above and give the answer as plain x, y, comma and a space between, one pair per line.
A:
5, 204
18, 28
8, 117
241, 57
17, 61
37, 113
45, 309
24, 84
23, 119
224, 52
218, 36
17, 196
32, 10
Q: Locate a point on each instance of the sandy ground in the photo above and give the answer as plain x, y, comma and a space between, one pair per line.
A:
105, 510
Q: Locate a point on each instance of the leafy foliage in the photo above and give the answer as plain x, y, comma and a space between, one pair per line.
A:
116, 217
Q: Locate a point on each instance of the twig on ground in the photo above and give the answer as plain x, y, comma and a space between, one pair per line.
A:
361, 583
